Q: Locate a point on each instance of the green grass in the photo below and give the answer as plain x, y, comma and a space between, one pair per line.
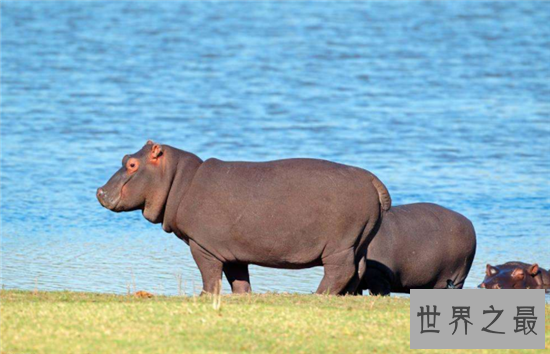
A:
67, 322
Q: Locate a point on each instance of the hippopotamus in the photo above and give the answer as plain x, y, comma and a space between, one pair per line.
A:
419, 246
516, 275
293, 213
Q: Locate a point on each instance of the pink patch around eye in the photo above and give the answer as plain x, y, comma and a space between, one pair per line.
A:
132, 165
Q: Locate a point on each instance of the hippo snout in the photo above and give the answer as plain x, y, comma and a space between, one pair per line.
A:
100, 194
105, 200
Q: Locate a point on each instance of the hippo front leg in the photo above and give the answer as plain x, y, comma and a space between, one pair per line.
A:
210, 268
238, 277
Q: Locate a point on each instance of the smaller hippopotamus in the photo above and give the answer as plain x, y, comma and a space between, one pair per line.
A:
419, 246
516, 275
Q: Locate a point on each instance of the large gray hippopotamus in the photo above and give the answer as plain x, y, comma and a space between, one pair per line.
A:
419, 246
294, 213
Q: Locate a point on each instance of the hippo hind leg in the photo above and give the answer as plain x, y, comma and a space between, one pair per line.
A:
238, 277
450, 284
353, 287
339, 270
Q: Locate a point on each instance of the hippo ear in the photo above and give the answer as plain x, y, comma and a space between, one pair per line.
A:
490, 270
518, 273
150, 142
156, 151
533, 269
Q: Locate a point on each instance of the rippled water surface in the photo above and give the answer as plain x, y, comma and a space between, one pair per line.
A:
445, 102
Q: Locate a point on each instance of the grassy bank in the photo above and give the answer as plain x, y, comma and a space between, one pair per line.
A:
65, 322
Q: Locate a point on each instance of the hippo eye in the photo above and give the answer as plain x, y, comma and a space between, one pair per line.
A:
132, 165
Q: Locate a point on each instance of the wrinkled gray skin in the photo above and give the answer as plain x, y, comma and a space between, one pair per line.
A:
419, 246
295, 213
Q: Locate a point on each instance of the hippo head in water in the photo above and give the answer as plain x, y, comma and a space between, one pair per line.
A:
513, 275
144, 181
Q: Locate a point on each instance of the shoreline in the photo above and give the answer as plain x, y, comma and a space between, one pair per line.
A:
77, 322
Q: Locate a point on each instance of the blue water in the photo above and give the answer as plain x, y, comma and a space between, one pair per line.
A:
445, 102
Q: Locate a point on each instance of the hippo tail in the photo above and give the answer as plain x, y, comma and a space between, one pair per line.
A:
383, 194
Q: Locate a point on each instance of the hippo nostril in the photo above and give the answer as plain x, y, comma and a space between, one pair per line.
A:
482, 285
100, 194
496, 286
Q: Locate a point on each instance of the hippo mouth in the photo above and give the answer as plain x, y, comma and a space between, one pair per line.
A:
108, 203
112, 204
115, 203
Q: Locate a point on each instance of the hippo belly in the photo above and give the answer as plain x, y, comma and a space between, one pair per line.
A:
419, 246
